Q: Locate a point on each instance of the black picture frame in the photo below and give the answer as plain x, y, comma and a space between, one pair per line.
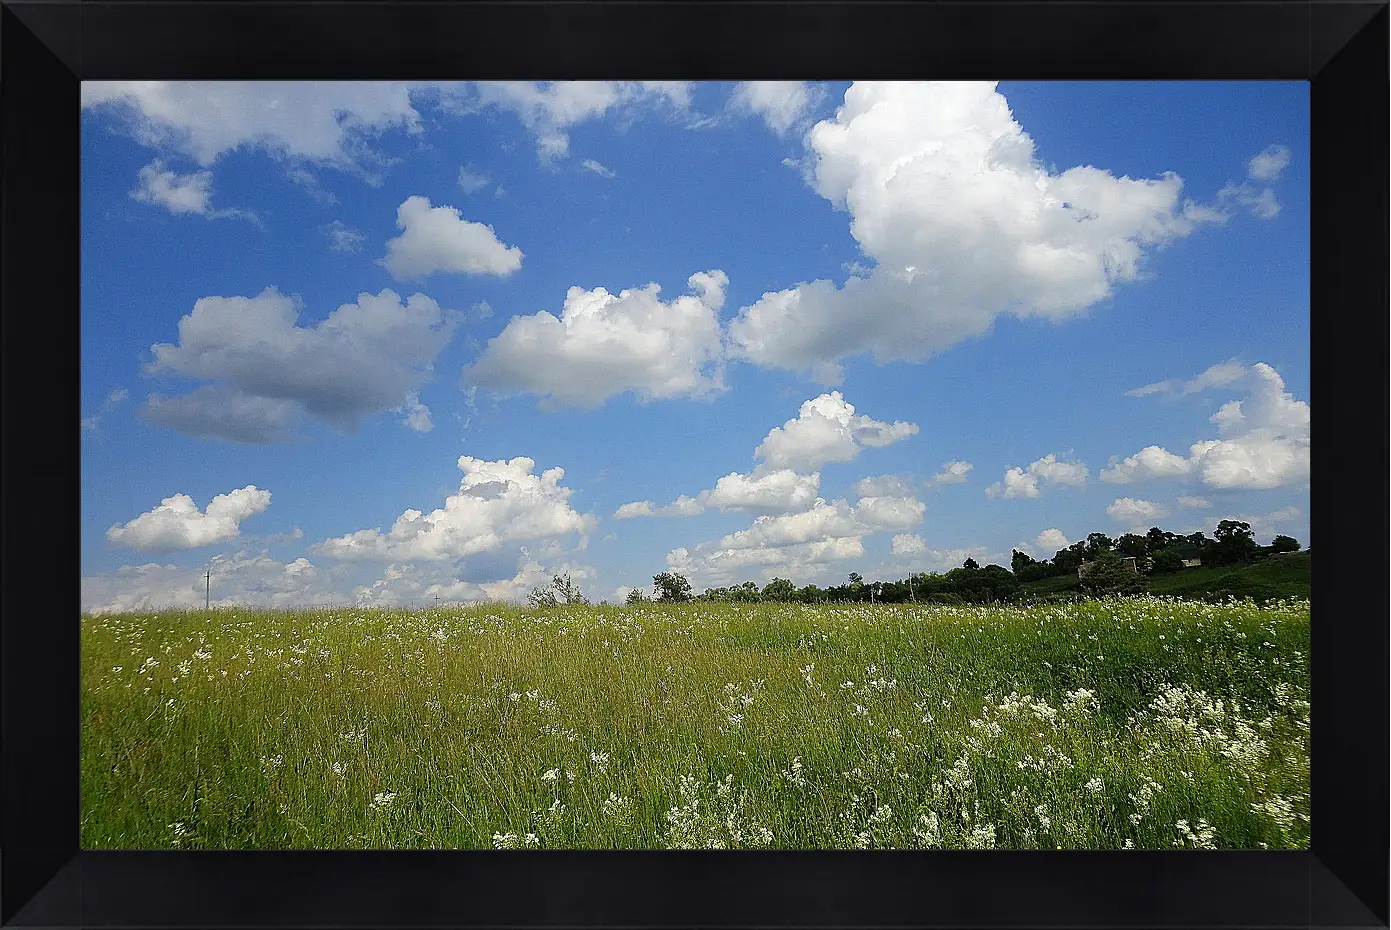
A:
48, 46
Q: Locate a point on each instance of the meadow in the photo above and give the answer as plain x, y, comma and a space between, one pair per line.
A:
1144, 722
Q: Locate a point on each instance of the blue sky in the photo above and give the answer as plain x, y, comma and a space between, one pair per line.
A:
337, 338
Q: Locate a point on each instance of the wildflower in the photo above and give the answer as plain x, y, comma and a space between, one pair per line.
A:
506, 840
1094, 786
794, 773
339, 769
550, 775
382, 800
600, 760
617, 807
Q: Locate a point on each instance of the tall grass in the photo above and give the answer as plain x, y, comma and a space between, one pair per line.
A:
1144, 722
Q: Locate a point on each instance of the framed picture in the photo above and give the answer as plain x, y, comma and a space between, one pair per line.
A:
694, 465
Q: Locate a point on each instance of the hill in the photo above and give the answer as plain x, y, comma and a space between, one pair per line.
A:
1279, 576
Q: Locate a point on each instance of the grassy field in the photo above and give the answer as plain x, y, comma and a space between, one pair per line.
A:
1146, 722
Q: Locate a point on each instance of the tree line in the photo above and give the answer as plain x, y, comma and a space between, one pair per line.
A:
1103, 562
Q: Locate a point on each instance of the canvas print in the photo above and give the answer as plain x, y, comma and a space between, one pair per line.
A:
676, 465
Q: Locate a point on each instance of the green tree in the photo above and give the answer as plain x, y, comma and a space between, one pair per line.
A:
1165, 561
636, 596
1234, 542
1019, 561
672, 586
1108, 573
1284, 544
970, 564
561, 591
1131, 544
1157, 539
542, 597
566, 591
779, 589
1096, 544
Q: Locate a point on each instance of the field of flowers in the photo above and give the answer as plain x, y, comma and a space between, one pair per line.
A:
1147, 723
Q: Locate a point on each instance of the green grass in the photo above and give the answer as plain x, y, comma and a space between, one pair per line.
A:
699, 725
1281, 576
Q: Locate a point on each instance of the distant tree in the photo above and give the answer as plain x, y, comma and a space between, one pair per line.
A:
1109, 574
811, 594
1284, 544
566, 591
542, 597
1098, 543
1019, 560
970, 564
1157, 539
1197, 540
856, 579
1165, 561
1131, 544
561, 591
779, 589
636, 596
1233, 542
672, 586
1066, 561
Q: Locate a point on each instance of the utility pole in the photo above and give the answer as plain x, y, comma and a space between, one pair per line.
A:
207, 588
437, 601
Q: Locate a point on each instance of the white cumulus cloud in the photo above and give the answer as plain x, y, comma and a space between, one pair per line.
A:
803, 542
1051, 540
439, 240
549, 109
908, 544
606, 344
827, 429
325, 122
783, 105
417, 415
1133, 512
1194, 503
366, 357
1149, 463
953, 473
948, 198
1267, 165
498, 502
780, 491
238, 579
177, 523
1264, 444
1024, 481
179, 193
